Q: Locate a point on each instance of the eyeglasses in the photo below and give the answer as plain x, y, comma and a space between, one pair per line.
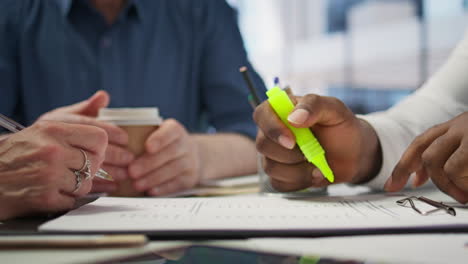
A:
438, 205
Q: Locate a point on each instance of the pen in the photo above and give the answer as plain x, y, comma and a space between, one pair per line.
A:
14, 127
254, 100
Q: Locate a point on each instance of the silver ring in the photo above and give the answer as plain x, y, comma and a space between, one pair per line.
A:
86, 169
78, 181
84, 172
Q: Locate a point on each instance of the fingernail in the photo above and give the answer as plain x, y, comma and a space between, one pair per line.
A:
286, 142
298, 116
316, 173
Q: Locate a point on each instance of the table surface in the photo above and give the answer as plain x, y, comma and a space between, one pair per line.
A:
416, 248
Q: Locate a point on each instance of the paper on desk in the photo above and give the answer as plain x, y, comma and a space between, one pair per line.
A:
248, 213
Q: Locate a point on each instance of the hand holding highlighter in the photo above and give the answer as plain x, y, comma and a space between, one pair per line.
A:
305, 139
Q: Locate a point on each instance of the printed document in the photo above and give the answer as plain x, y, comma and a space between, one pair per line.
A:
379, 211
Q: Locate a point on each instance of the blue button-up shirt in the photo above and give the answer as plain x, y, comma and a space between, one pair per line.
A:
178, 55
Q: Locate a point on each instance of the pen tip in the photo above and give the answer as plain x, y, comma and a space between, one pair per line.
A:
243, 69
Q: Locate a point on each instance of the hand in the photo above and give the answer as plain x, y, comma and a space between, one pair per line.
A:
117, 156
36, 167
440, 153
351, 145
170, 163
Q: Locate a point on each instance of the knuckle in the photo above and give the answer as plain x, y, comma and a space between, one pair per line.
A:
52, 128
42, 125
50, 152
273, 132
427, 159
451, 169
436, 127
174, 123
401, 168
336, 101
101, 137
308, 101
418, 141
258, 113
99, 157
261, 143
269, 167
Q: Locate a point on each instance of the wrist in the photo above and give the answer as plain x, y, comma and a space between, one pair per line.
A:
370, 158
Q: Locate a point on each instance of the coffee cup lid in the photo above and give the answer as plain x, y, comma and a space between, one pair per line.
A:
131, 116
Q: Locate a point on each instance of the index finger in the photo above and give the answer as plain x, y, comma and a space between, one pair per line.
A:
170, 131
272, 126
115, 134
313, 109
411, 159
86, 137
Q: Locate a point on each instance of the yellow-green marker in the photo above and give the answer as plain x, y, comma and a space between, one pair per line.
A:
309, 145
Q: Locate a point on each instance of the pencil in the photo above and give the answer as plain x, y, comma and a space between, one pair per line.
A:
250, 85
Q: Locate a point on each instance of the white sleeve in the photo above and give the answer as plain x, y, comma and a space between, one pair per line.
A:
441, 98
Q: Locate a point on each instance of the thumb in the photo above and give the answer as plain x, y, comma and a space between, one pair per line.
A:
90, 106
313, 109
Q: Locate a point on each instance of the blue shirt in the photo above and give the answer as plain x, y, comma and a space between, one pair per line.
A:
181, 56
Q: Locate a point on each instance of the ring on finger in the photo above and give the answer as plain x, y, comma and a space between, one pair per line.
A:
86, 169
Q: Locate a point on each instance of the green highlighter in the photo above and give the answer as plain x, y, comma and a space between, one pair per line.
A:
309, 145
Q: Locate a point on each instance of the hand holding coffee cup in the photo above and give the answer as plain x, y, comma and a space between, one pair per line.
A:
138, 123
171, 162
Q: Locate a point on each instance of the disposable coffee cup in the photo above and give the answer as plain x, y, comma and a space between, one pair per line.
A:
139, 123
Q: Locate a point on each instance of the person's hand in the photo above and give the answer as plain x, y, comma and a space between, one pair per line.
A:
441, 154
170, 163
117, 156
36, 167
351, 145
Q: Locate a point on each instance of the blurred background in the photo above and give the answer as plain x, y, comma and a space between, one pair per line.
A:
369, 53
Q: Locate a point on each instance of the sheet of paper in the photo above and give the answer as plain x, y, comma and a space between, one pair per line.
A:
247, 213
